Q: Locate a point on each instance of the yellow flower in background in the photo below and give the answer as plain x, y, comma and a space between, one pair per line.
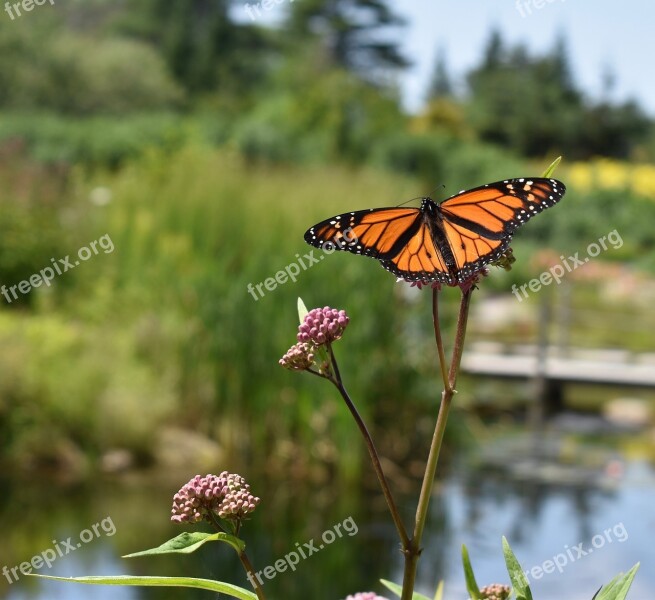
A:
609, 174
643, 180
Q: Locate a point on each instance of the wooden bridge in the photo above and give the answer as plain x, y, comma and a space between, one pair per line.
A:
600, 367
551, 361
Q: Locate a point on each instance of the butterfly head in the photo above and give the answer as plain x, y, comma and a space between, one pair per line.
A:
428, 205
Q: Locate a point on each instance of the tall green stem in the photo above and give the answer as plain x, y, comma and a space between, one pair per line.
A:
412, 556
375, 459
247, 565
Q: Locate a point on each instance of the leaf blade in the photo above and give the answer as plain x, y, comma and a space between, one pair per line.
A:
302, 310
471, 584
186, 543
147, 581
517, 576
398, 590
551, 168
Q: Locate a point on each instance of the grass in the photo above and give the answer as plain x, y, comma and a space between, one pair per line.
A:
164, 331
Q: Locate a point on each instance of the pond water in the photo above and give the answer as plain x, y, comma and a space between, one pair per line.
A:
614, 522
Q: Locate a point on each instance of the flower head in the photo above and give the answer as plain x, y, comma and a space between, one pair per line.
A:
365, 596
299, 357
322, 326
495, 591
226, 495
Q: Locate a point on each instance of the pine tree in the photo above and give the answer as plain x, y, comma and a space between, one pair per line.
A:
204, 47
440, 85
352, 34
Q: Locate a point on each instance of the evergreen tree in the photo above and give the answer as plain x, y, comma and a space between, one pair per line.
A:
204, 47
352, 34
440, 85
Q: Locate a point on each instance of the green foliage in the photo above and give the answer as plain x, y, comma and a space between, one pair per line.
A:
93, 141
334, 117
205, 48
58, 387
29, 238
78, 74
618, 588
531, 105
439, 159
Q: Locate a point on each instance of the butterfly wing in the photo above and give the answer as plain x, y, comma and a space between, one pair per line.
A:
479, 223
398, 237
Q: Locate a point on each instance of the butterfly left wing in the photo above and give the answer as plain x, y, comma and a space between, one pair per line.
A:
377, 232
397, 237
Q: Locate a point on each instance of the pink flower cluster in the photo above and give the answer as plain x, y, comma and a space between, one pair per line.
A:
495, 591
227, 495
321, 326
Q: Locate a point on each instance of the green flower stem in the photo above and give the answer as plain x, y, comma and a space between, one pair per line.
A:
414, 551
393, 509
247, 565
437, 336
251, 575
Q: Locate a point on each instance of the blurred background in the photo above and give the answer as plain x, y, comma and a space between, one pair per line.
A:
202, 138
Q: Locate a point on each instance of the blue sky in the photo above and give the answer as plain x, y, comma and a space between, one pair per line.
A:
600, 34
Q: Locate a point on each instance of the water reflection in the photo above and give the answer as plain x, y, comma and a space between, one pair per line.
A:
540, 519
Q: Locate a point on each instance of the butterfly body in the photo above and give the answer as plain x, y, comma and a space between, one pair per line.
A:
448, 242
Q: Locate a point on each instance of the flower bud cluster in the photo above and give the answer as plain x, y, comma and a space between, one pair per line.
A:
227, 495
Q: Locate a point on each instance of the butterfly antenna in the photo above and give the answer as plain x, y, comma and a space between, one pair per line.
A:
441, 185
421, 197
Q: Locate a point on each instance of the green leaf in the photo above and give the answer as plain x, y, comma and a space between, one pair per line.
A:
190, 582
398, 590
185, 543
438, 595
516, 574
302, 310
551, 168
618, 588
471, 584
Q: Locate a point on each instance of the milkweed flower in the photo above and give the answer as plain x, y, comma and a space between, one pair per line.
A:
365, 596
226, 495
322, 326
319, 328
299, 357
495, 591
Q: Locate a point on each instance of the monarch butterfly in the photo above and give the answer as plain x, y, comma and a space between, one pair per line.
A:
446, 243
